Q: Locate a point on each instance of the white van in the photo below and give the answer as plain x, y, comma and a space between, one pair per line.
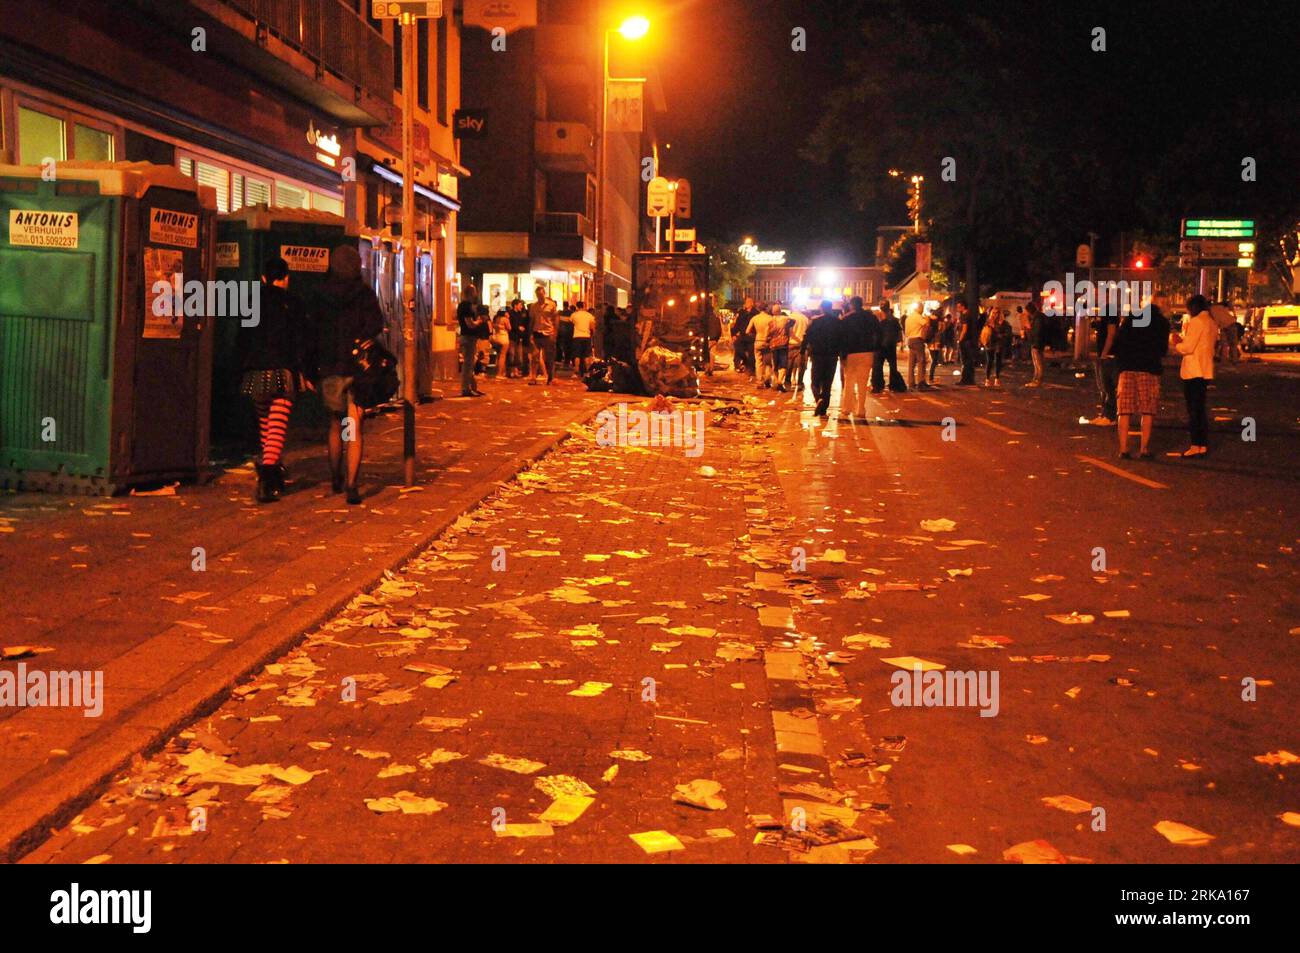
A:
1280, 326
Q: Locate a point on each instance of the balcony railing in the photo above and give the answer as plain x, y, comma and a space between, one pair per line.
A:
331, 34
563, 223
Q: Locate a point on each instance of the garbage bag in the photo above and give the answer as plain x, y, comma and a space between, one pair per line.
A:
668, 372
613, 376
598, 377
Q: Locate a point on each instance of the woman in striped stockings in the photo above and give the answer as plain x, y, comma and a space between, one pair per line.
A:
275, 361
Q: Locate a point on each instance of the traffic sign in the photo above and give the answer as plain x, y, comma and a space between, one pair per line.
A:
1218, 228
681, 235
1215, 253
659, 198
394, 9
683, 193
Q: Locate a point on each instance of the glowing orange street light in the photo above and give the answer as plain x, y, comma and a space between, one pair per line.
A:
634, 28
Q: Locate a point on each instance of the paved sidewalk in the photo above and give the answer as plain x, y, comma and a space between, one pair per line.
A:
114, 585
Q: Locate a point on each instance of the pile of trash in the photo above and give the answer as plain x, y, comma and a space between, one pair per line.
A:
668, 372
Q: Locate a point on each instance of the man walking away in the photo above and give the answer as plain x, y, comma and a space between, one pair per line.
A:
1036, 339
1226, 322
967, 342
798, 358
822, 341
860, 335
1140, 347
742, 339
891, 333
471, 324
915, 330
584, 323
1196, 344
760, 326
778, 344
1107, 372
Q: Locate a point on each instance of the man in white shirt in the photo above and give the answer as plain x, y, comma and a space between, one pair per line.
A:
914, 334
1197, 344
584, 323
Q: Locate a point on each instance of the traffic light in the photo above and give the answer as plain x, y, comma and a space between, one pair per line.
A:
1139, 262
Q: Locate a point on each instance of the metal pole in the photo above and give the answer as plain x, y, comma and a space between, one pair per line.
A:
603, 117
409, 392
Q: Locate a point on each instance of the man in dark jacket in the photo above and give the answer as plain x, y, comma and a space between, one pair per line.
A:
347, 312
860, 335
473, 328
891, 332
742, 338
822, 343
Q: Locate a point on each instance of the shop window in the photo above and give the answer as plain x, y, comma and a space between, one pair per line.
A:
326, 203
257, 192
422, 63
91, 145
219, 179
40, 137
290, 196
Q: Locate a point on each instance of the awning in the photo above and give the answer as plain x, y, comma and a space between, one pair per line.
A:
388, 175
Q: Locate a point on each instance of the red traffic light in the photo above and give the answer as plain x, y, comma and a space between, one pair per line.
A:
1140, 263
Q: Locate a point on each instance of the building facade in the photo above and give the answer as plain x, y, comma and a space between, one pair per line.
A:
802, 287
531, 196
292, 104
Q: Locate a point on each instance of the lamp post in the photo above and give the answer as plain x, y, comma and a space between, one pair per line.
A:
633, 28
914, 203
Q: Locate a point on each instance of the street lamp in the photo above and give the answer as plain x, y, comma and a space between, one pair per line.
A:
914, 199
631, 29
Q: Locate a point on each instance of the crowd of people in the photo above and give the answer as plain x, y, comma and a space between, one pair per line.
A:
531, 340
789, 349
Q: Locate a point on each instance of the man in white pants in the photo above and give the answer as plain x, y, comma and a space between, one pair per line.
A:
859, 341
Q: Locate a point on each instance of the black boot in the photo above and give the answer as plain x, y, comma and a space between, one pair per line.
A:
277, 475
265, 491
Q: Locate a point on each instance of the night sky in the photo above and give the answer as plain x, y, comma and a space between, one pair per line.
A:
741, 102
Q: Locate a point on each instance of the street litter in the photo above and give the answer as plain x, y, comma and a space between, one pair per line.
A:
700, 793
1277, 758
408, 802
657, 842
565, 809
1181, 834
1034, 852
1074, 618
938, 526
629, 754
517, 765
1064, 802
591, 689
910, 662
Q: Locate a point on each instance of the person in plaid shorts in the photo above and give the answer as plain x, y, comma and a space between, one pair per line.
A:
1139, 347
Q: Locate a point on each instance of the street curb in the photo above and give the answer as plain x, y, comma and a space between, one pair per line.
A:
26, 819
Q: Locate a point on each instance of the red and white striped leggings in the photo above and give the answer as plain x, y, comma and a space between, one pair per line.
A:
273, 421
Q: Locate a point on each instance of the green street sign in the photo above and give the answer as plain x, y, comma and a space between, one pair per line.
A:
1218, 228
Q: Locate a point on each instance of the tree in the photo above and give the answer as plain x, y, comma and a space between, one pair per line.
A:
729, 272
970, 98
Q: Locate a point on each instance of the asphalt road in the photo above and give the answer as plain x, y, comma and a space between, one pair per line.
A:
1200, 554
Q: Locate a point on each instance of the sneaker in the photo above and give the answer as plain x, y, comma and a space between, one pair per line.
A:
1102, 422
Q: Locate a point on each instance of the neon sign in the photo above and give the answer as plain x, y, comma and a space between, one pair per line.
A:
751, 253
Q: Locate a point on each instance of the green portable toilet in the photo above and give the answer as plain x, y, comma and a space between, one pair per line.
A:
100, 386
245, 239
